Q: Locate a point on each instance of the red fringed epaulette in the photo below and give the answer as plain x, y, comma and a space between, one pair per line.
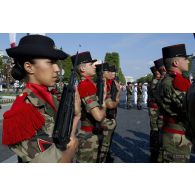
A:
21, 122
180, 83
86, 88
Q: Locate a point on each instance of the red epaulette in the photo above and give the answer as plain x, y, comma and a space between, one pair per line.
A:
181, 83
21, 122
86, 88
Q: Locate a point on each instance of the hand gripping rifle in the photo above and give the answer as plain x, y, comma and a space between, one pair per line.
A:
65, 113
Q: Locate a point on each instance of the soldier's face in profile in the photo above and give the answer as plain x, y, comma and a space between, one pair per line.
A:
90, 69
113, 75
107, 75
183, 63
43, 72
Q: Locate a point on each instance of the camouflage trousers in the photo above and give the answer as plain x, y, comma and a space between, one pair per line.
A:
176, 148
88, 147
129, 100
156, 123
139, 102
109, 126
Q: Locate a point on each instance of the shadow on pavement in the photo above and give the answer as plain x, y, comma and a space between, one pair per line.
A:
131, 150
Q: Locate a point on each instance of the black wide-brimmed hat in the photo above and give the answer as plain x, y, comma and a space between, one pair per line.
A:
174, 51
36, 46
84, 57
158, 63
112, 69
106, 66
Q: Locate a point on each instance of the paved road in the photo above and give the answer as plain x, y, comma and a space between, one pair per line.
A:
131, 138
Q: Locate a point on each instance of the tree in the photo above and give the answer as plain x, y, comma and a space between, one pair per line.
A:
67, 66
114, 60
145, 79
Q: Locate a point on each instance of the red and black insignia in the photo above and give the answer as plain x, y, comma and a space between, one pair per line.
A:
43, 144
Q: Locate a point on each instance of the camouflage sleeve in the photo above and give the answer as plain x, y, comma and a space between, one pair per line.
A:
51, 155
172, 100
90, 102
31, 154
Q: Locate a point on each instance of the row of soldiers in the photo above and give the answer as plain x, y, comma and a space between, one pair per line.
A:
170, 107
29, 125
138, 92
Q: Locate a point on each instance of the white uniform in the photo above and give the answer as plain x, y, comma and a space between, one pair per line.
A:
135, 94
145, 93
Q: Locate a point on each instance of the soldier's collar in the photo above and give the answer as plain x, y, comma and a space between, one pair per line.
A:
35, 100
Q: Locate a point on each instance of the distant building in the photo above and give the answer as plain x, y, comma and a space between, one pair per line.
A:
129, 79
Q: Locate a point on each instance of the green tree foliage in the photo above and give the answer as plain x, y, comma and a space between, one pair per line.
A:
1, 63
114, 60
66, 65
145, 79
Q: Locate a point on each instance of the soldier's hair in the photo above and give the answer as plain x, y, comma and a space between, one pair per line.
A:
18, 72
169, 61
78, 68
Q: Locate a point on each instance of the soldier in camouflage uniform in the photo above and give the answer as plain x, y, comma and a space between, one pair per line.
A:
129, 90
28, 125
153, 115
109, 123
139, 96
176, 147
92, 112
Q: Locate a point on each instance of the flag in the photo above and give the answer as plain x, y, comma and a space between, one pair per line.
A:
12, 39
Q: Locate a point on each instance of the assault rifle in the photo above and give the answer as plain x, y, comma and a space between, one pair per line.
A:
65, 113
99, 93
100, 83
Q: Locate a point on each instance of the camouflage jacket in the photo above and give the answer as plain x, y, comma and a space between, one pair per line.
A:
171, 102
152, 90
87, 91
40, 148
129, 90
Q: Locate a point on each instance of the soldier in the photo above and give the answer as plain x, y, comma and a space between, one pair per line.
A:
135, 94
92, 112
176, 147
153, 110
28, 125
145, 93
109, 123
139, 96
189, 107
129, 90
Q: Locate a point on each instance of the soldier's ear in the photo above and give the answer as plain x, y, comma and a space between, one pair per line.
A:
28, 67
175, 63
82, 68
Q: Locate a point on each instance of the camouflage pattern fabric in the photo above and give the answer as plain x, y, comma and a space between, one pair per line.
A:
88, 147
155, 121
129, 90
139, 97
175, 146
88, 141
108, 126
40, 148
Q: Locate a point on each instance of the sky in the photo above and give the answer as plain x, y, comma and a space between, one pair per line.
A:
137, 51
